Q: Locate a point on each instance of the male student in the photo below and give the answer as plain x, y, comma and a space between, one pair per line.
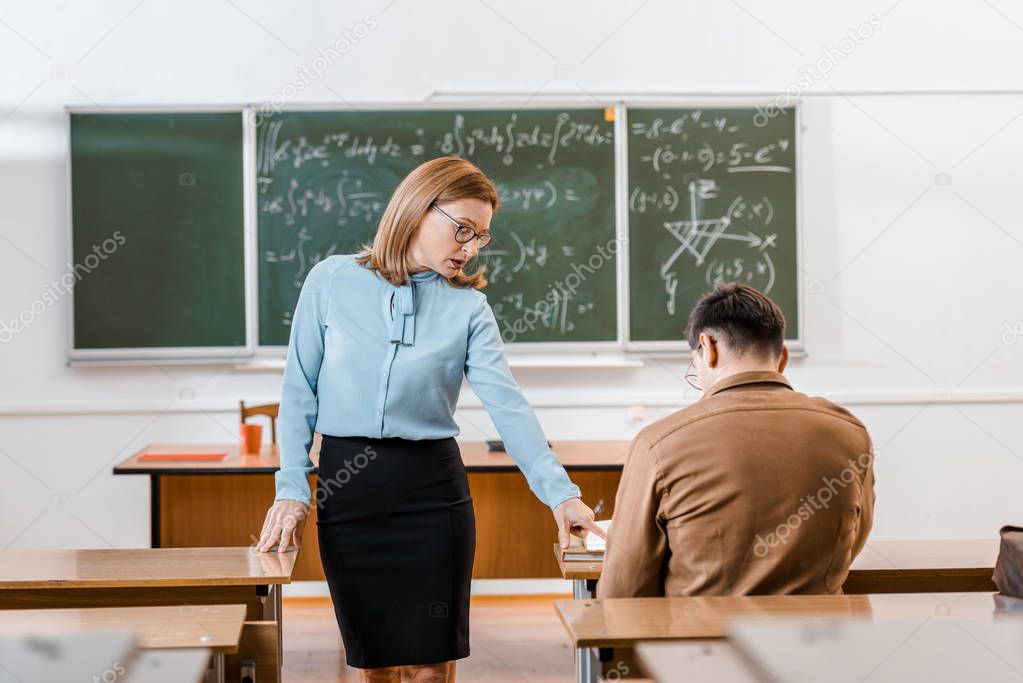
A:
753, 489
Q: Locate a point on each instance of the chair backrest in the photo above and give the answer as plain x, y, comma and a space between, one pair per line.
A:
268, 409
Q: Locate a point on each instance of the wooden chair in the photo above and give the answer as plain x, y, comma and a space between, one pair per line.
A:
268, 409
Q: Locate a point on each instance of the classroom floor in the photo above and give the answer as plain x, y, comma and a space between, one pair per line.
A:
511, 639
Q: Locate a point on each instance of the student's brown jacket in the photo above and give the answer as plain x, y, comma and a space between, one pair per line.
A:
754, 489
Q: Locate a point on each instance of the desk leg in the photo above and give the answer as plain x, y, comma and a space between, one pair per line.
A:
581, 589
273, 611
587, 667
215, 674
154, 511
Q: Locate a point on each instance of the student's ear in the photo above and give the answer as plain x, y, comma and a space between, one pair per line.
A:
784, 358
710, 350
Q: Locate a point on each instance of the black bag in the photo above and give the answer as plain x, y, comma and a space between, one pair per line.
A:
1009, 565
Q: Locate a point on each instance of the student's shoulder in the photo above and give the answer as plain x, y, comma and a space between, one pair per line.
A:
653, 434
677, 424
826, 407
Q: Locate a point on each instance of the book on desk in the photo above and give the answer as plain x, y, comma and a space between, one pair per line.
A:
586, 549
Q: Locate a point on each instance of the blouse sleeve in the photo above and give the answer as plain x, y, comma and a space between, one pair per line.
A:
299, 405
487, 372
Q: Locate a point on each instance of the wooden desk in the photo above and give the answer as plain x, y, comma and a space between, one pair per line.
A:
700, 661
930, 647
512, 525
35, 579
64, 657
623, 622
927, 647
216, 627
948, 566
168, 666
96, 657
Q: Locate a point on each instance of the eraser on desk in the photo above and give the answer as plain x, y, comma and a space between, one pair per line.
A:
498, 445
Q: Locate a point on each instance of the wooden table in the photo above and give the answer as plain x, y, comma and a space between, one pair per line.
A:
944, 566
64, 656
512, 525
168, 666
215, 628
928, 647
699, 661
39, 579
882, 567
604, 625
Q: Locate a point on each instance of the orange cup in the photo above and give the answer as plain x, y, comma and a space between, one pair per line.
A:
251, 438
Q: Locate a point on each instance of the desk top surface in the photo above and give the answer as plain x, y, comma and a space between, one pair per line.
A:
63, 656
579, 455
704, 661
929, 647
621, 622
217, 627
186, 665
143, 567
926, 647
878, 556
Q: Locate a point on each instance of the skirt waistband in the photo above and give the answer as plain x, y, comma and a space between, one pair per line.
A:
388, 442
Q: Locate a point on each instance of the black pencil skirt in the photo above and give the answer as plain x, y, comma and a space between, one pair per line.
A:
397, 538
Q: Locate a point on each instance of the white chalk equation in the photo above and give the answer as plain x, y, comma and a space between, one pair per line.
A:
707, 140
513, 255
298, 255
360, 198
696, 238
557, 312
681, 126
738, 157
507, 139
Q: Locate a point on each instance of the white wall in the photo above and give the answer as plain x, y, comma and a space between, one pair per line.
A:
909, 284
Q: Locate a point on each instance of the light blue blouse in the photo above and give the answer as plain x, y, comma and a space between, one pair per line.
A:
367, 358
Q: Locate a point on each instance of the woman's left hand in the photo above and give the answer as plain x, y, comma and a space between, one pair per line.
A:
575, 518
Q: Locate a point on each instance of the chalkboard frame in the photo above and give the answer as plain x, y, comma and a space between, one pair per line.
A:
171, 355
667, 348
516, 349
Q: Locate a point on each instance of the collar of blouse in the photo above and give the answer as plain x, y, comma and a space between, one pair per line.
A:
403, 308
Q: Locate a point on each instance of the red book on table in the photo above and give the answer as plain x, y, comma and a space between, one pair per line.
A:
183, 456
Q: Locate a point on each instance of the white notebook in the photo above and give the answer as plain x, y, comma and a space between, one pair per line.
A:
587, 549
594, 543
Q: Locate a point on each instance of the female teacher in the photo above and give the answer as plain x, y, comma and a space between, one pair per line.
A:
379, 344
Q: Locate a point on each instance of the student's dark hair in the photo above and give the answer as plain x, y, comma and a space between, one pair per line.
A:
746, 319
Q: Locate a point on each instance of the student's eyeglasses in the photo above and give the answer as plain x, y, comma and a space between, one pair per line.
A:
465, 233
692, 377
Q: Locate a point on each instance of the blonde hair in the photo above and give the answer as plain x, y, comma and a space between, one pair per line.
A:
440, 180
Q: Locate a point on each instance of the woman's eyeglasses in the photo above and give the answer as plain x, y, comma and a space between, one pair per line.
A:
464, 233
692, 377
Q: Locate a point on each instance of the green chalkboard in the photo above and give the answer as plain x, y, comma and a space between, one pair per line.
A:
325, 177
157, 232
712, 198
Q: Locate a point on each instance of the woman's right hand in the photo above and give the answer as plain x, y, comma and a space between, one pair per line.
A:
284, 525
